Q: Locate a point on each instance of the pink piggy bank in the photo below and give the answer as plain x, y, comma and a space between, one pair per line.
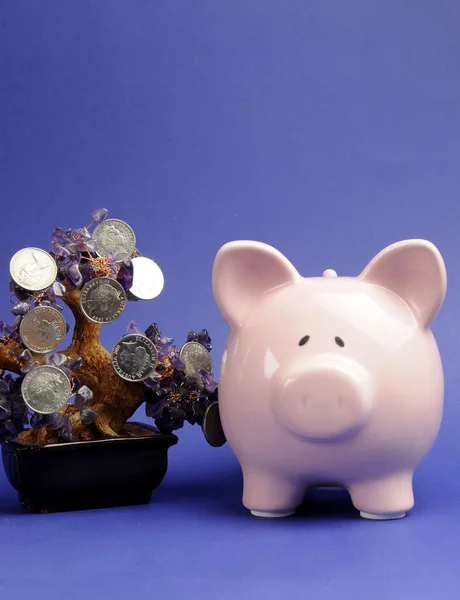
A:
333, 381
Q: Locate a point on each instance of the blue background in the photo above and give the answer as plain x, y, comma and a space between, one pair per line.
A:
327, 129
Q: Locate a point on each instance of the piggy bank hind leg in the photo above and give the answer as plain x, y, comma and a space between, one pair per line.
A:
270, 495
387, 498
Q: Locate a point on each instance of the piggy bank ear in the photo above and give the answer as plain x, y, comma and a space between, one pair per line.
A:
415, 271
243, 273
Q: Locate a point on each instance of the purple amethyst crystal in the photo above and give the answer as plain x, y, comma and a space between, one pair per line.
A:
133, 328
21, 308
83, 396
54, 420
164, 346
65, 434
153, 332
87, 416
152, 380
28, 367
204, 339
125, 274
5, 330
58, 289
99, 214
26, 356
56, 359
177, 363
154, 410
75, 363
73, 273
209, 383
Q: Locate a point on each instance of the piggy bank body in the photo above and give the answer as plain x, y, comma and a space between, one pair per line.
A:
330, 380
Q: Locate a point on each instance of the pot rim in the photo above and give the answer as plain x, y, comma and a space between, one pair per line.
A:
169, 438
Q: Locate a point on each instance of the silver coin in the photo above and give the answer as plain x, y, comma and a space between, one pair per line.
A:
46, 389
42, 329
102, 299
33, 269
148, 280
195, 357
134, 357
114, 236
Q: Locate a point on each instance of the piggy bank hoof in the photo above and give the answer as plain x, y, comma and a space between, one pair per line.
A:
382, 517
266, 514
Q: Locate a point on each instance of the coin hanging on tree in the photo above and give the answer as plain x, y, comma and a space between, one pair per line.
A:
148, 280
46, 389
212, 426
42, 329
195, 358
102, 299
33, 269
134, 357
114, 237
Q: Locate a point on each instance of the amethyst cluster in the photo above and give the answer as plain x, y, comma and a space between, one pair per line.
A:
177, 397
13, 411
75, 253
17, 416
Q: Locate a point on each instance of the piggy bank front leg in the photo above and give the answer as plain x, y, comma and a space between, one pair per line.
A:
387, 498
270, 494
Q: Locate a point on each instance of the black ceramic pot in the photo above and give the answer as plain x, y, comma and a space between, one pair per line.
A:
81, 475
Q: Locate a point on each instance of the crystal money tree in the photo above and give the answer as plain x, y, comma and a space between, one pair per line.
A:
85, 392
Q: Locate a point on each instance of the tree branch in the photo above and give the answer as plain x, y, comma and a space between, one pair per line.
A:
9, 353
86, 332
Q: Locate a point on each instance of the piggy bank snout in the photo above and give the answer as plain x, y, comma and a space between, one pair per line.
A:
324, 398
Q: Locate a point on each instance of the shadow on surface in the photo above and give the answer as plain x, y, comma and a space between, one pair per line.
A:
330, 503
223, 495
218, 493
215, 493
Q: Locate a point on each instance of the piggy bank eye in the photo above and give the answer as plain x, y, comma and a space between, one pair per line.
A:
304, 340
339, 342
